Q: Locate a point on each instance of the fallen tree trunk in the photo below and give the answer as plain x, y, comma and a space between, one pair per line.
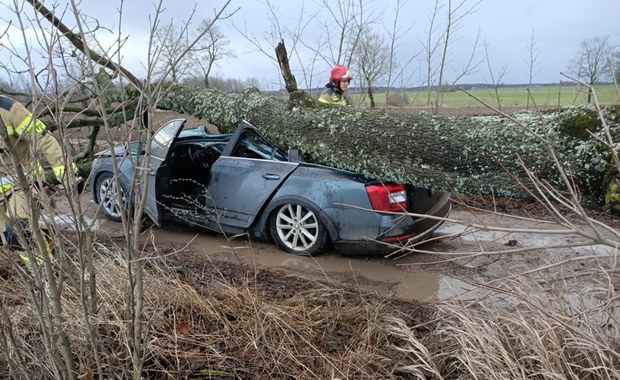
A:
467, 154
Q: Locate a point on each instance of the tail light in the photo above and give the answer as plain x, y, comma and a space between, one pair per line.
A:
388, 197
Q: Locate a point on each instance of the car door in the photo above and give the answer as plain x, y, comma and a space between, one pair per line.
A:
158, 171
241, 182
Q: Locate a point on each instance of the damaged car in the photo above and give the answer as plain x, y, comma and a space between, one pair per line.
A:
242, 183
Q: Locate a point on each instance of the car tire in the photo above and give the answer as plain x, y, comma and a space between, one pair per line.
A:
297, 229
107, 197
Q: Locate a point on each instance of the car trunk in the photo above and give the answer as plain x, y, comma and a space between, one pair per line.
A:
424, 201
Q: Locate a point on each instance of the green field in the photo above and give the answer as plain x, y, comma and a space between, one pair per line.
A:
544, 96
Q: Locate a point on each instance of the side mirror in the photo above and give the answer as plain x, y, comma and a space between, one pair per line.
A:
294, 155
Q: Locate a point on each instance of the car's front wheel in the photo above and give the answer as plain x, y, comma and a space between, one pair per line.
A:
297, 229
109, 195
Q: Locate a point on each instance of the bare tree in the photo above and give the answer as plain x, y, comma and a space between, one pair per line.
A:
455, 16
340, 30
170, 41
372, 58
430, 47
347, 23
395, 36
278, 32
532, 63
210, 49
590, 63
616, 65
437, 48
496, 77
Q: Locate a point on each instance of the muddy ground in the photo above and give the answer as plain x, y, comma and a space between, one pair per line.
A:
460, 255
448, 266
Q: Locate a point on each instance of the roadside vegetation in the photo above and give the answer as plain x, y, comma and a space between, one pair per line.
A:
100, 307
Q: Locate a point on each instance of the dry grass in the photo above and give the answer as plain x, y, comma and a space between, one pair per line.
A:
207, 323
528, 333
219, 330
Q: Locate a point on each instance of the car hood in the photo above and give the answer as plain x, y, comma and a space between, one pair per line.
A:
117, 151
120, 151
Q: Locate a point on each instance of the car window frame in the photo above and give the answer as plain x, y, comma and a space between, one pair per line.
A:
250, 143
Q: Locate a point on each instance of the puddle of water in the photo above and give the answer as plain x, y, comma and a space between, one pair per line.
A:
421, 286
532, 240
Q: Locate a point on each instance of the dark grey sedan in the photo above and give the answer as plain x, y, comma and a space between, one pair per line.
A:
243, 183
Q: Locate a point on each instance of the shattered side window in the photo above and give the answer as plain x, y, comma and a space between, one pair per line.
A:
253, 145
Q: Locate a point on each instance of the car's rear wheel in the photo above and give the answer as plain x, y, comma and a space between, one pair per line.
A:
297, 229
108, 195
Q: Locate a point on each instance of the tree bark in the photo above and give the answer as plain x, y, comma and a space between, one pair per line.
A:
289, 79
371, 97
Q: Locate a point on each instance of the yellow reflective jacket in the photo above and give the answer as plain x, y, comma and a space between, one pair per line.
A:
29, 137
330, 96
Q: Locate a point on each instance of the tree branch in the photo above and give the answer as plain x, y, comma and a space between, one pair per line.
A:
80, 45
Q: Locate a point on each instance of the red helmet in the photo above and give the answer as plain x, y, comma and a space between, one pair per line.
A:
340, 72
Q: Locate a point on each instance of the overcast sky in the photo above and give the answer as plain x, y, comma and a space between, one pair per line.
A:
507, 26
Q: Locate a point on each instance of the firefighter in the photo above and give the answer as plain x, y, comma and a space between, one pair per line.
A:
334, 92
25, 136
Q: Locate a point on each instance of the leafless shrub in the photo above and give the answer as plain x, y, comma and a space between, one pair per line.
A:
63, 283
538, 336
397, 99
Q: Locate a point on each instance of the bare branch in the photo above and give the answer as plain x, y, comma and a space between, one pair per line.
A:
79, 44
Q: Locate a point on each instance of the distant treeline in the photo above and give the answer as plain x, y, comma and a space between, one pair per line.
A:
474, 86
451, 88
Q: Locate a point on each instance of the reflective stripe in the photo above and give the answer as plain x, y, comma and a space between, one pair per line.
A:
40, 126
26, 125
26, 259
59, 170
333, 98
6, 183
